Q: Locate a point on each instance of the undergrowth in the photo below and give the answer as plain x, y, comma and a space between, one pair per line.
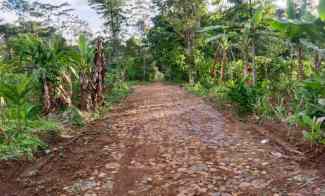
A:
22, 127
268, 101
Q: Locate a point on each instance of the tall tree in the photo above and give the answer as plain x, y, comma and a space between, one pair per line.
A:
112, 11
185, 17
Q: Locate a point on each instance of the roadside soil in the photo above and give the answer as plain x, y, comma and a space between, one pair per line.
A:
163, 141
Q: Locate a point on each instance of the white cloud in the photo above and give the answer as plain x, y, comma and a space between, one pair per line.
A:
281, 3
9, 17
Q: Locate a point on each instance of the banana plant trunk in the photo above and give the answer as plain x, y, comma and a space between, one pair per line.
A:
301, 68
85, 93
189, 38
47, 102
318, 62
99, 75
65, 89
213, 71
223, 65
254, 63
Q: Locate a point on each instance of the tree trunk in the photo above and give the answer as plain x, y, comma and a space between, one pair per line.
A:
99, 75
247, 74
85, 93
318, 62
301, 68
292, 63
144, 66
213, 71
65, 89
223, 64
47, 103
189, 36
254, 74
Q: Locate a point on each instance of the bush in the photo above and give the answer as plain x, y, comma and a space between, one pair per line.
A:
244, 96
19, 120
197, 89
119, 91
15, 145
309, 108
219, 93
310, 95
73, 116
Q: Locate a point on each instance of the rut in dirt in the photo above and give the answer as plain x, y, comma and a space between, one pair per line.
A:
163, 141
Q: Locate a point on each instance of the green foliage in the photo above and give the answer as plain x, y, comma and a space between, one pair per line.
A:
250, 44
47, 57
118, 87
119, 91
264, 108
309, 108
219, 93
167, 50
315, 133
12, 147
312, 125
197, 89
310, 96
244, 96
321, 9
83, 58
19, 121
73, 116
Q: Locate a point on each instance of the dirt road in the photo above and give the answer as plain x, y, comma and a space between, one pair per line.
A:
162, 141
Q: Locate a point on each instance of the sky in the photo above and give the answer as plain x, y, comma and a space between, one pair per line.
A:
81, 7
83, 10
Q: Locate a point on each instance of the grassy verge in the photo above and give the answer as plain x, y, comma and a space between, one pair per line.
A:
22, 138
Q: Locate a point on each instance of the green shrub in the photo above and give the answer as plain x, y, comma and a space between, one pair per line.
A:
219, 93
19, 120
313, 130
15, 145
309, 96
119, 91
197, 89
244, 96
74, 116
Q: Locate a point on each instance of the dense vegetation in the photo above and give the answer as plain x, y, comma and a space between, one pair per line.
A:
265, 60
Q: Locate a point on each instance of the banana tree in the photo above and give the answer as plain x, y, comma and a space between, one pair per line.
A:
319, 53
296, 30
221, 56
250, 29
99, 74
83, 59
46, 58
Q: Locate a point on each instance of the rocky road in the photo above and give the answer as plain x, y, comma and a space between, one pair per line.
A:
163, 141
